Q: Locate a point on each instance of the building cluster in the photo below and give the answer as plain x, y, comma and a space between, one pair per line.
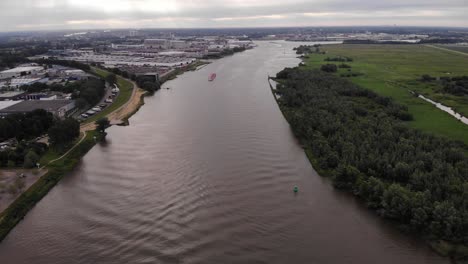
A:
28, 74
140, 55
60, 108
15, 98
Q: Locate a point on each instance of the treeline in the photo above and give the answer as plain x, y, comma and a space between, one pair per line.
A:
66, 63
28, 153
42, 87
329, 67
224, 52
369, 41
307, 49
87, 92
147, 83
360, 140
19, 52
63, 132
25, 126
442, 40
453, 85
25, 154
339, 59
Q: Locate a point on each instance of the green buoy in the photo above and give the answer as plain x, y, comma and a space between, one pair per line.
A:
296, 189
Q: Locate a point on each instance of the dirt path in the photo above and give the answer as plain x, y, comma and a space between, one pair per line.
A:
449, 50
82, 135
128, 108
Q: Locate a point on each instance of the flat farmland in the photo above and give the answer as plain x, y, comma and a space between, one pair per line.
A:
395, 70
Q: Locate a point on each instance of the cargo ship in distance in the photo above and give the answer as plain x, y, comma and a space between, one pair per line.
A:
212, 77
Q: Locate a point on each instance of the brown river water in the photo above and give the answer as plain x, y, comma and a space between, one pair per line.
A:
204, 174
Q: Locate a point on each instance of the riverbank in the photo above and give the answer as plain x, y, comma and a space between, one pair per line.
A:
56, 171
358, 140
59, 165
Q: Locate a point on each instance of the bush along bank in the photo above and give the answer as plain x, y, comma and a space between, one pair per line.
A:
360, 139
56, 171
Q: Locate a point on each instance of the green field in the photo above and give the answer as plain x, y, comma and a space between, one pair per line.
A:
126, 90
394, 70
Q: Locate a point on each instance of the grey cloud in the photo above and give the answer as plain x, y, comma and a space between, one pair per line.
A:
54, 14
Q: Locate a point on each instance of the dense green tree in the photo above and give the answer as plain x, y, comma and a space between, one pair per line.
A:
360, 139
31, 159
329, 68
64, 132
111, 78
102, 124
25, 126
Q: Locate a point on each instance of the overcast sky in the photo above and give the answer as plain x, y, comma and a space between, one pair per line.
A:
16, 15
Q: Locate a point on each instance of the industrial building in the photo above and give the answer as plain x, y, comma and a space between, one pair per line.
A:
20, 71
12, 95
60, 108
18, 82
5, 104
125, 46
157, 43
179, 44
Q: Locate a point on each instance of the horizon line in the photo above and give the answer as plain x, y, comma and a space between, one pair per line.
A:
227, 27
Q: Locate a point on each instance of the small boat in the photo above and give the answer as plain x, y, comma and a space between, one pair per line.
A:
212, 77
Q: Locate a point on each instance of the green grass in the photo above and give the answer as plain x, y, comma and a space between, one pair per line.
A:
393, 70
126, 90
52, 154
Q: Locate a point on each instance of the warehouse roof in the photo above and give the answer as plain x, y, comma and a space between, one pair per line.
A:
11, 94
28, 106
5, 104
23, 69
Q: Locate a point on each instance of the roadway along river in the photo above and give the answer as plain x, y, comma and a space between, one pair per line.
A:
204, 174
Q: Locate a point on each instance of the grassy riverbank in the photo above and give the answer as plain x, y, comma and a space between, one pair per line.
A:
393, 70
174, 73
56, 171
361, 141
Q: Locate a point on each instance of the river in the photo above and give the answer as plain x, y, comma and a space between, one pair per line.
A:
204, 174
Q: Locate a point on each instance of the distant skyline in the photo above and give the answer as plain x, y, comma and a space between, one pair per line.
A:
21, 15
